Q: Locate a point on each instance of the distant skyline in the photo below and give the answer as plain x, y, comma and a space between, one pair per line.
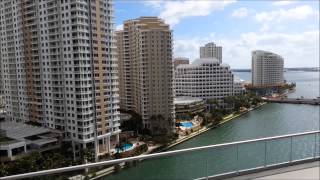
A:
288, 28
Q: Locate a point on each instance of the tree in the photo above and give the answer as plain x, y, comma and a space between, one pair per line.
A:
87, 155
120, 146
160, 125
3, 170
134, 123
207, 118
217, 115
213, 103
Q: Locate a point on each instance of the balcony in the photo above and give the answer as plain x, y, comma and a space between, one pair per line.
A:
220, 161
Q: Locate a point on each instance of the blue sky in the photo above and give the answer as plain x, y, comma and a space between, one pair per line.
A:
289, 28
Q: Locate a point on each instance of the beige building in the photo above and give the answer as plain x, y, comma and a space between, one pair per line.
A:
211, 50
180, 60
145, 71
59, 67
1, 75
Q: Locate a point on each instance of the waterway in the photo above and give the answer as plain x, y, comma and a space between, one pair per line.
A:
269, 120
307, 82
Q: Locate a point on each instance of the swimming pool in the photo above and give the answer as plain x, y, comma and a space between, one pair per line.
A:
186, 124
125, 147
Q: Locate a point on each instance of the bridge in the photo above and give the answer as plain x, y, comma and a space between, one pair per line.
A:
294, 100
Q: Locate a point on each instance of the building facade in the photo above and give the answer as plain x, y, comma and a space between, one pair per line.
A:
1, 75
211, 50
267, 69
180, 60
205, 78
59, 67
145, 66
1, 68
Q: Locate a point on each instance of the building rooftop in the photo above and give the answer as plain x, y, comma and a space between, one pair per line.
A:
184, 100
200, 61
263, 52
19, 131
6, 140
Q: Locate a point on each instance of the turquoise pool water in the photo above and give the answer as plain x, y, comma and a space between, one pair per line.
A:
186, 124
125, 147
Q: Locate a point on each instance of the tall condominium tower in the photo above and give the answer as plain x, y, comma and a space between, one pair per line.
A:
145, 66
210, 50
59, 67
205, 78
267, 69
1, 75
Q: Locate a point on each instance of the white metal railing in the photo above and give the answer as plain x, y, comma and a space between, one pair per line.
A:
176, 152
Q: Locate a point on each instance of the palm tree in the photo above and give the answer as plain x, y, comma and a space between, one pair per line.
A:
120, 146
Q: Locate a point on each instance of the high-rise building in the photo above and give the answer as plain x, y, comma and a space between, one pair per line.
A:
205, 78
1, 68
60, 69
180, 60
145, 66
1, 75
211, 50
267, 69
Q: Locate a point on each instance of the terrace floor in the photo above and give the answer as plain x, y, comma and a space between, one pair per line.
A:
307, 171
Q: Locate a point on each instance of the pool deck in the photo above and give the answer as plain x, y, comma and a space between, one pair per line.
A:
205, 129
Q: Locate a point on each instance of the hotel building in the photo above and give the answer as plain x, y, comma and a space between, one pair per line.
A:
205, 78
60, 69
267, 69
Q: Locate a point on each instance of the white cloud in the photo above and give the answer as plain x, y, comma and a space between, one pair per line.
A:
153, 4
173, 11
298, 49
265, 27
283, 3
188, 47
296, 13
278, 18
119, 27
240, 13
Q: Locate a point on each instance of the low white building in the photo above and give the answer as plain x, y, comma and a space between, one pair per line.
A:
205, 78
18, 139
186, 107
238, 86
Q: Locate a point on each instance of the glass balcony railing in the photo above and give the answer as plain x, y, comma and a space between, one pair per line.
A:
229, 159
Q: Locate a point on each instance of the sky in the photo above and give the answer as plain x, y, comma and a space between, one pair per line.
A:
288, 28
